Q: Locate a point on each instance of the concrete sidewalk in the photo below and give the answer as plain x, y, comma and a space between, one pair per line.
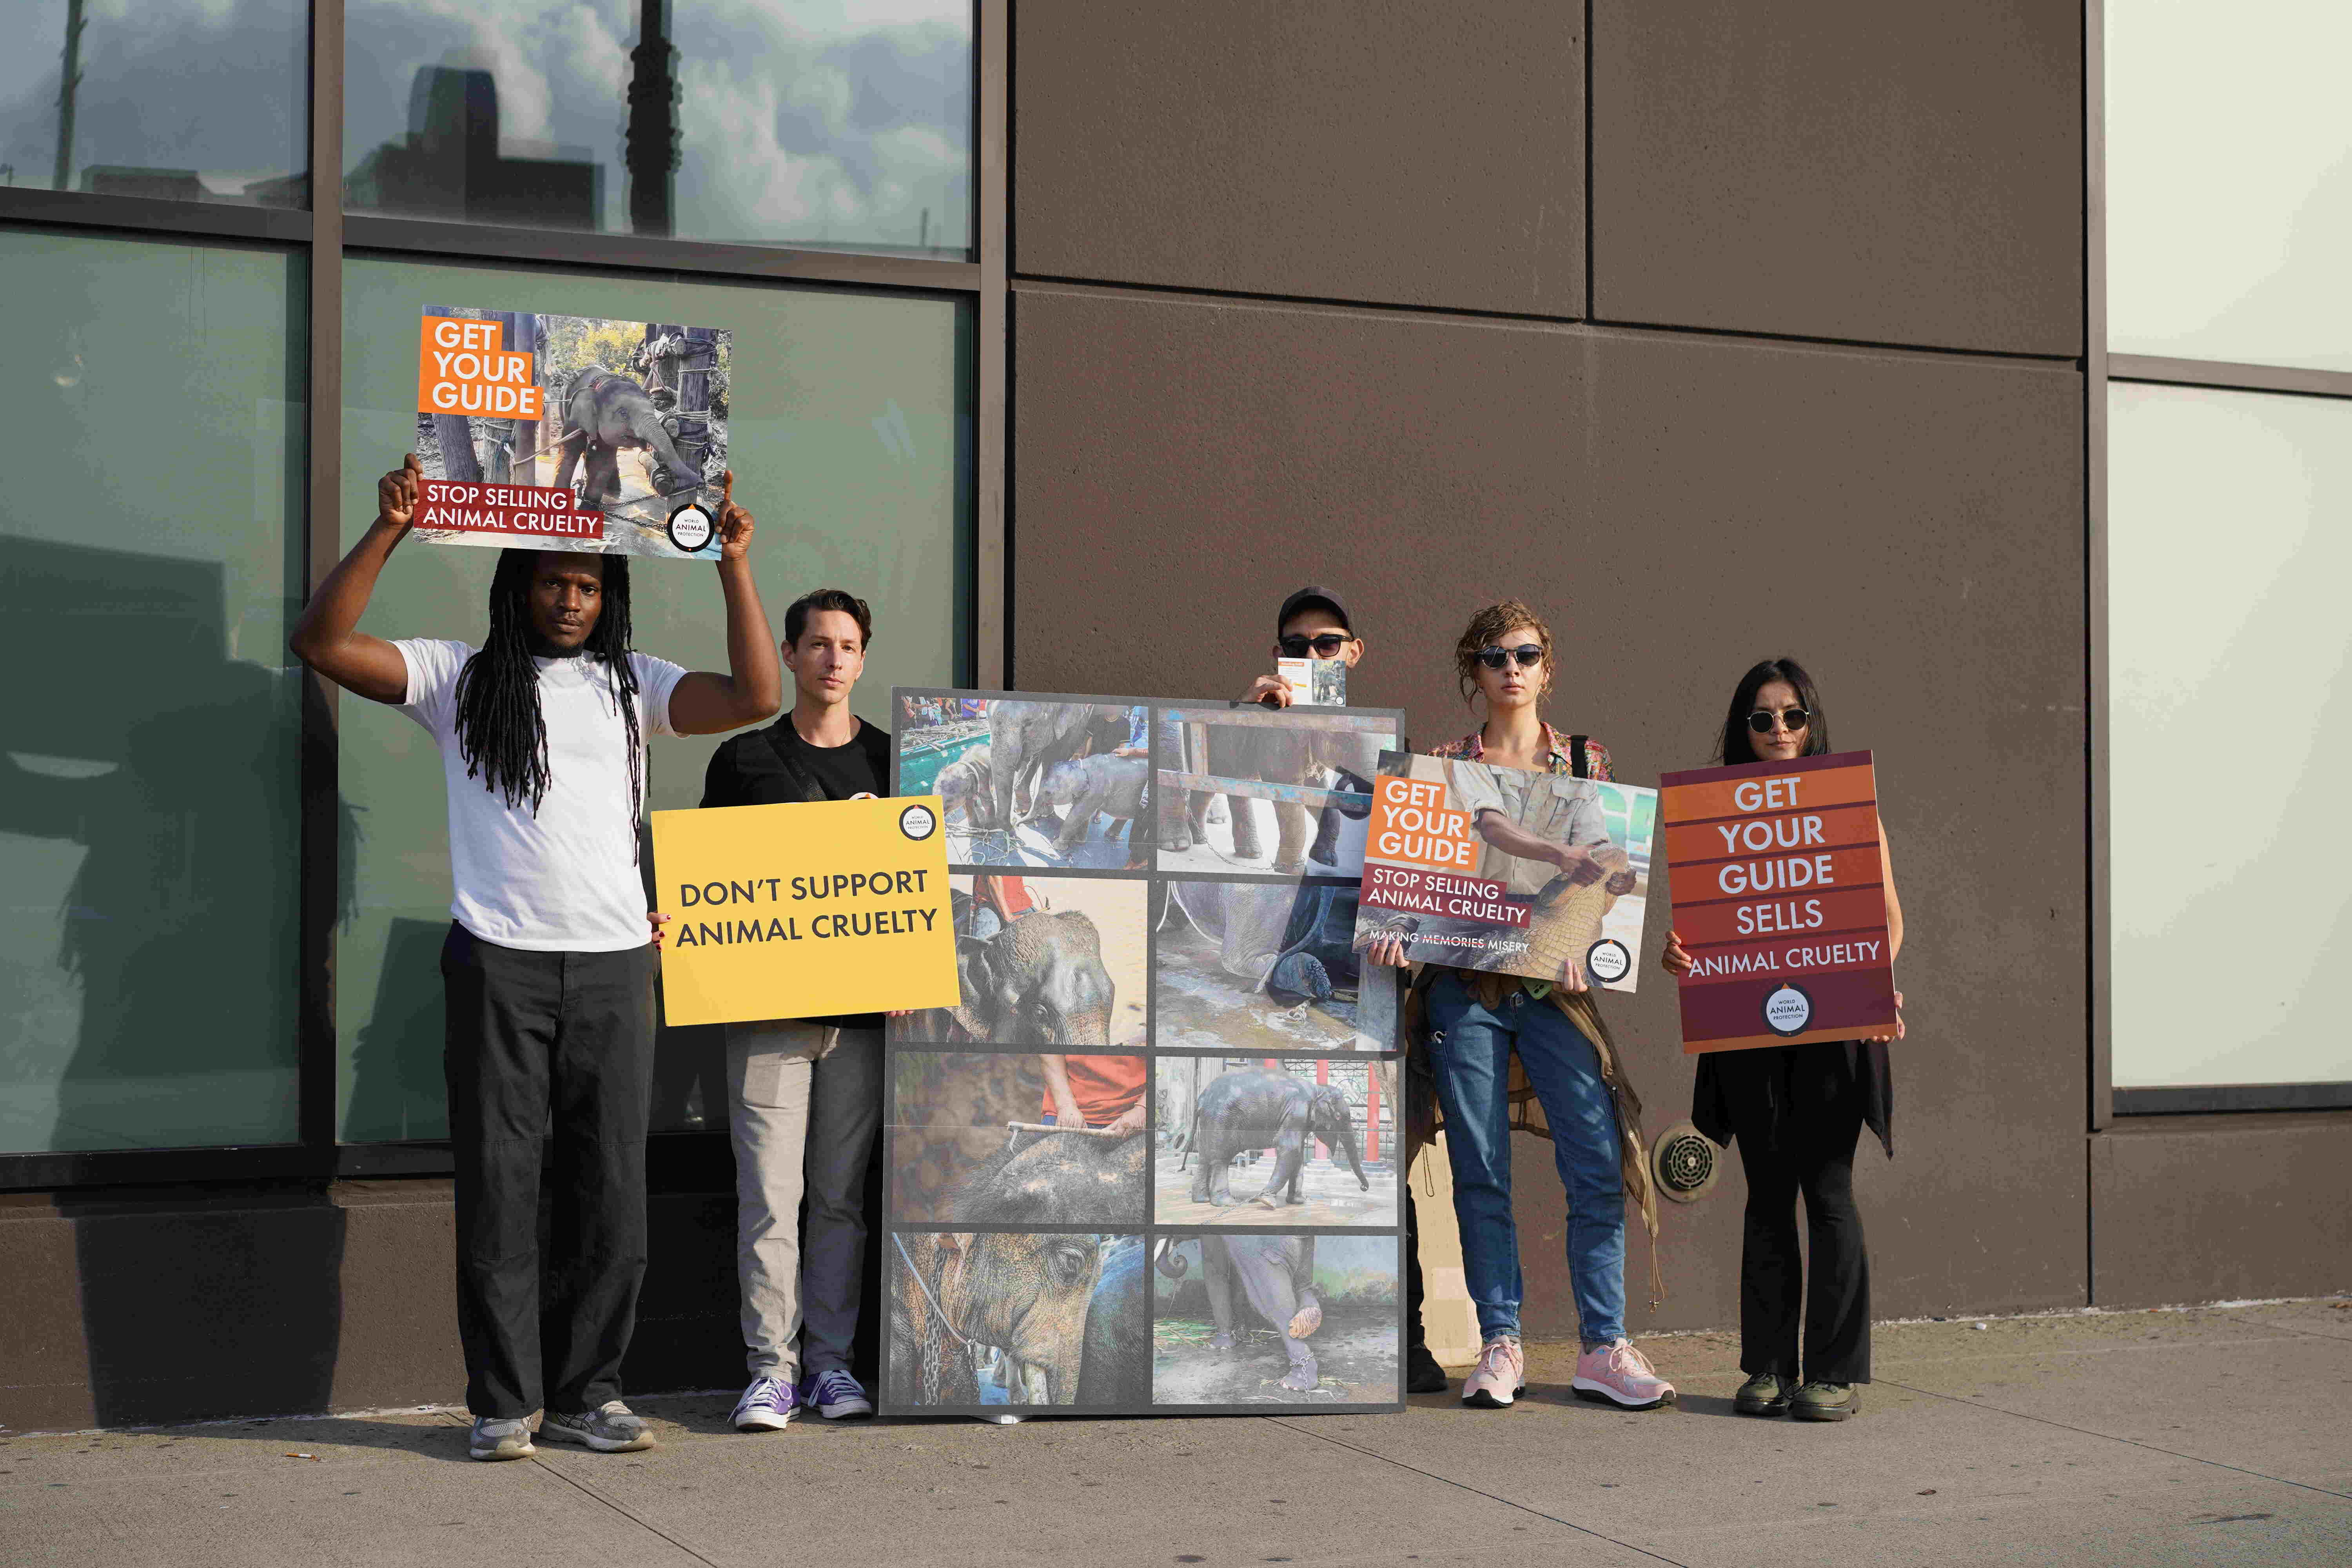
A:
2209, 1435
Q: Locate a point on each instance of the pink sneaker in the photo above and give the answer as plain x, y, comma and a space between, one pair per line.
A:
1500, 1376
1622, 1375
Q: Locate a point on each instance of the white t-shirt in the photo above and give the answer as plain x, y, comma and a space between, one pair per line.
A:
565, 880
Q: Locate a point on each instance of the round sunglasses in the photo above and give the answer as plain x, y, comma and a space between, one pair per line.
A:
1526, 653
1323, 646
1763, 720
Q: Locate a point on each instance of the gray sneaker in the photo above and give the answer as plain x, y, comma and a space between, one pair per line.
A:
609, 1428
501, 1439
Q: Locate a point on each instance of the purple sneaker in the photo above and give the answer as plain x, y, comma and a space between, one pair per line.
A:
766, 1406
836, 1395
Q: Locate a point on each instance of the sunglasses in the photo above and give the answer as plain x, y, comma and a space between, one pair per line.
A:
1526, 653
1763, 720
1325, 646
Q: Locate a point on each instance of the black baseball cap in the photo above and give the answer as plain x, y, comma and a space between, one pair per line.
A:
1308, 596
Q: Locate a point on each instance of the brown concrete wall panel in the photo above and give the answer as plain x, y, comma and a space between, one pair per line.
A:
1909, 525
2222, 1208
1840, 169
44, 1348
1366, 150
399, 1297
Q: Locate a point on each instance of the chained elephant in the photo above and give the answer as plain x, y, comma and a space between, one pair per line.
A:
1276, 1277
1257, 1108
603, 414
1026, 1296
1285, 754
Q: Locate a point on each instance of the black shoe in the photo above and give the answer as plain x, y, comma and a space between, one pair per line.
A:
1421, 1372
1765, 1393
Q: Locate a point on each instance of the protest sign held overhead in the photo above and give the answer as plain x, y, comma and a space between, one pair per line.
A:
1541, 875
803, 910
1779, 895
571, 432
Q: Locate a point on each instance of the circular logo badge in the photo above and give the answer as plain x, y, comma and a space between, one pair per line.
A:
1788, 1010
917, 823
1607, 960
690, 528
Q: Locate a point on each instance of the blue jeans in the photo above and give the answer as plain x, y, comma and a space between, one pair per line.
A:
1471, 1049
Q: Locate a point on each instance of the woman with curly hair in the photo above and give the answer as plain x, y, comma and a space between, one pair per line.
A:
1476, 1021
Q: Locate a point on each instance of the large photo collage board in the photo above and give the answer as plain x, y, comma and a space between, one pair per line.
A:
1154, 1160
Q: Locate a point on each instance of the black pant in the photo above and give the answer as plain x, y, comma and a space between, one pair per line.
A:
1813, 1155
1414, 1332
548, 1055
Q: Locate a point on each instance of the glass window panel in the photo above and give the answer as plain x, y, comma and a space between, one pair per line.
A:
827, 124
2229, 181
192, 101
849, 431
149, 800
2229, 734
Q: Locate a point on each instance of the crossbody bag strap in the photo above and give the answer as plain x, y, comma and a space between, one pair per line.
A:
806, 781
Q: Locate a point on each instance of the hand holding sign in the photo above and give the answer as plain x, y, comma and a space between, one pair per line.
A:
395, 493
734, 523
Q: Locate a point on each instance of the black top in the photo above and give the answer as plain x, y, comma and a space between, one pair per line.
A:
775, 767
1776, 1097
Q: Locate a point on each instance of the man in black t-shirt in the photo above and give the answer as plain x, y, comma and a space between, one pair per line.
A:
805, 1094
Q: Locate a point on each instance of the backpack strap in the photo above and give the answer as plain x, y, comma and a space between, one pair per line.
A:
1576, 763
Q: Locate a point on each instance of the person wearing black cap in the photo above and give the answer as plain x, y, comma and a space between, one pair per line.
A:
1313, 622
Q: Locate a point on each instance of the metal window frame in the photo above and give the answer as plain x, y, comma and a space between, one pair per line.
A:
322, 235
2107, 1101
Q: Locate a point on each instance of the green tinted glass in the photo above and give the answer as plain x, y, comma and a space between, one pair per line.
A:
149, 809
846, 426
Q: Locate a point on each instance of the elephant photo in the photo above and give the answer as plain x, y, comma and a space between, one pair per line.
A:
1271, 966
1260, 1108
957, 1296
1274, 1318
1063, 1176
1303, 751
1026, 739
1068, 975
970, 1146
605, 414
1080, 789
965, 788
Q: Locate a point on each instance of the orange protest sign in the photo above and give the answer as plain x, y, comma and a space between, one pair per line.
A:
463, 366
1779, 895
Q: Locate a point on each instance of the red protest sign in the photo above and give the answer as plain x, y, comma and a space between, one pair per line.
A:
1779, 895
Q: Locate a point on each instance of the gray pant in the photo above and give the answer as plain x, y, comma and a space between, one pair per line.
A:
805, 1097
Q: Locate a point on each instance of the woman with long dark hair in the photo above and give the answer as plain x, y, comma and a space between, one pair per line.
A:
1796, 1113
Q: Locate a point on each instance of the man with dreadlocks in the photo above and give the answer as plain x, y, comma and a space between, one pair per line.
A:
548, 964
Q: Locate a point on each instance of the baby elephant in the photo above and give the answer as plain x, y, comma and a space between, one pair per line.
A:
1258, 1108
964, 785
1088, 787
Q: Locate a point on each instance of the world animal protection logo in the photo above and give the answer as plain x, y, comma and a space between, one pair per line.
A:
1779, 895
571, 432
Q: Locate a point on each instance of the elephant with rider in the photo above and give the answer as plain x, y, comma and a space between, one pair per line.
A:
1037, 980
1258, 1108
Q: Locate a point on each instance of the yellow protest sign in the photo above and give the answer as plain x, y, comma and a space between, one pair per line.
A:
803, 910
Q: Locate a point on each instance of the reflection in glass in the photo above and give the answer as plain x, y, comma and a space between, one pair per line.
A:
2230, 733
193, 100
846, 429
149, 805
826, 124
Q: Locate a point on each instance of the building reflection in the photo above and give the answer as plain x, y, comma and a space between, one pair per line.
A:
449, 165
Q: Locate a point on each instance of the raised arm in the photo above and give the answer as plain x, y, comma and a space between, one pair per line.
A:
327, 637
704, 703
